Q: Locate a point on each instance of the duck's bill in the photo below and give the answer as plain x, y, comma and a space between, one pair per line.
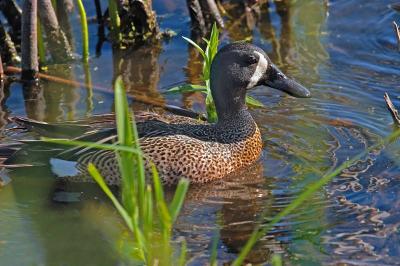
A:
277, 80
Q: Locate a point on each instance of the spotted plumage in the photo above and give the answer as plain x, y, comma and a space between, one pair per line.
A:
183, 147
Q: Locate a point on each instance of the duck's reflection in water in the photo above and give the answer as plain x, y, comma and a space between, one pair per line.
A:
234, 206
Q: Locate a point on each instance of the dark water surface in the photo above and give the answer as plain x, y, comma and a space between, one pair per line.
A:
344, 51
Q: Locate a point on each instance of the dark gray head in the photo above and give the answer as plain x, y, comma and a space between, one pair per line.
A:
240, 66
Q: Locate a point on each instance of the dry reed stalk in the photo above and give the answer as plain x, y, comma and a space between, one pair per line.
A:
392, 109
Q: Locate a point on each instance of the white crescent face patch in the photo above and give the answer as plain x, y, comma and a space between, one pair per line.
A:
261, 67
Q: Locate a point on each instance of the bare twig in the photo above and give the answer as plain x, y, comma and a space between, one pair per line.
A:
392, 109
397, 32
1, 70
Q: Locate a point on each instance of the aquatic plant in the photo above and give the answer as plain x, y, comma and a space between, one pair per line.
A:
41, 47
85, 31
115, 20
208, 55
151, 229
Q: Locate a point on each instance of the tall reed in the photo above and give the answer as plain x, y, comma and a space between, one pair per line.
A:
115, 20
85, 31
41, 48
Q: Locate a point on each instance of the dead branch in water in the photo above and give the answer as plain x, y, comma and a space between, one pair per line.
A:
197, 18
8, 51
63, 9
12, 12
58, 44
29, 49
397, 32
392, 109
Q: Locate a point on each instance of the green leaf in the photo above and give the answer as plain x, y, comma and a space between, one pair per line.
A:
212, 116
186, 88
214, 249
112, 147
148, 212
165, 217
178, 199
195, 45
183, 254
100, 180
253, 102
276, 260
125, 138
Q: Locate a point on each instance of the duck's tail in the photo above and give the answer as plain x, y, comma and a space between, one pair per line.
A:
23, 153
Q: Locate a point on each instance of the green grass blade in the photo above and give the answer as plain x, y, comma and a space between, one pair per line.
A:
165, 217
125, 134
137, 230
115, 20
125, 138
212, 116
185, 88
214, 41
214, 249
85, 31
140, 171
253, 102
276, 260
100, 180
183, 254
201, 51
112, 147
148, 212
178, 199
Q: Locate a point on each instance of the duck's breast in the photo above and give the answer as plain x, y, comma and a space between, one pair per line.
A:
178, 156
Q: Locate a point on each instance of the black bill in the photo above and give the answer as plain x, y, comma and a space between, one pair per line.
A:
277, 80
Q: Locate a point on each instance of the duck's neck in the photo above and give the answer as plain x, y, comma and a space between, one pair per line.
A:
235, 127
229, 103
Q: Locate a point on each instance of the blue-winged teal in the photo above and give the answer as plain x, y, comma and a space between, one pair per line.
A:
185, 147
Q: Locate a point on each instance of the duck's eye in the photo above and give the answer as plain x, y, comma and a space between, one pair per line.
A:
252, 59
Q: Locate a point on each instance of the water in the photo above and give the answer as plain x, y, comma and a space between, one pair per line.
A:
343, 51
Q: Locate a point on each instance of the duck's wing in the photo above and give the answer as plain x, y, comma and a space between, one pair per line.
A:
99, 129
77, 128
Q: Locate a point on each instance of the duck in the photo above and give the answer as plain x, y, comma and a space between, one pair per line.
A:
179, 146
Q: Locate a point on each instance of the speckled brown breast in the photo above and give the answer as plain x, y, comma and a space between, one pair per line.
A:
182, 147
180, 156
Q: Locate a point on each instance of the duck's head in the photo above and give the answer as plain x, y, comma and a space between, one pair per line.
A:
240, 66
